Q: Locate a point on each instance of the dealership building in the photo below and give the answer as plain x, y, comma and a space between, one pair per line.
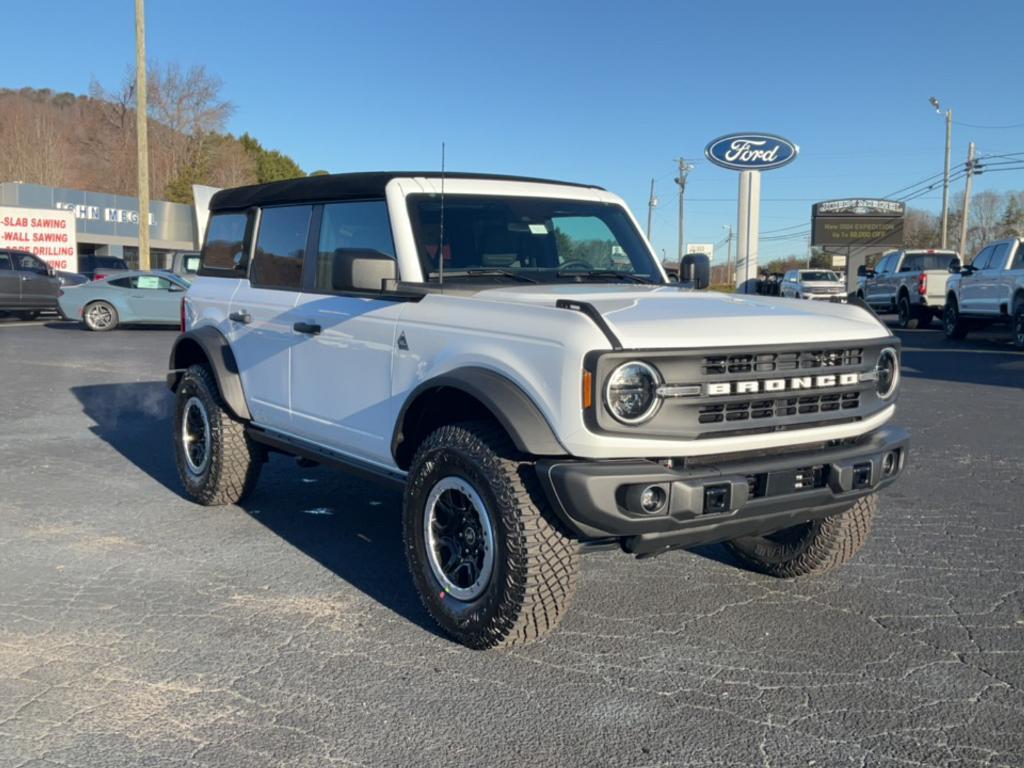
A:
108, 225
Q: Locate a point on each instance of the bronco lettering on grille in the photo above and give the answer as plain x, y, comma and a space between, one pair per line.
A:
781, 385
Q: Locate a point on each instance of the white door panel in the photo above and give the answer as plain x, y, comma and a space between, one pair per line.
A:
262, 348
341, 377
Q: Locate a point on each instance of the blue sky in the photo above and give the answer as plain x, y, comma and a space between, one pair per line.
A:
608, 93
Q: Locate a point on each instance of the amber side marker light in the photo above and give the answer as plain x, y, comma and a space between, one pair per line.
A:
588, 390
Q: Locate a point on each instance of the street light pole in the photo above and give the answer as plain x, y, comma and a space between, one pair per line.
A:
945, 174
728, 254
652, 203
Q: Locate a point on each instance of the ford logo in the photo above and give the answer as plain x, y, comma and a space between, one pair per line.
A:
751, 151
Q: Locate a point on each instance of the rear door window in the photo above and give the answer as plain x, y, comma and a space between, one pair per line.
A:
280, 247
225, 241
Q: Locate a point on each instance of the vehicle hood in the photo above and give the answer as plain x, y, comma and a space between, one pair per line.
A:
651, 317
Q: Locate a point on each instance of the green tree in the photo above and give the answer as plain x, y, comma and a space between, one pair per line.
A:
1012, 222
271, 165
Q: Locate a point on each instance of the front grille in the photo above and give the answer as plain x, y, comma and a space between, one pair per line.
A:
786, 406
751, 390
771, 362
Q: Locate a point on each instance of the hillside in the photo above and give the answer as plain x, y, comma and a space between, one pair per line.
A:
88, 142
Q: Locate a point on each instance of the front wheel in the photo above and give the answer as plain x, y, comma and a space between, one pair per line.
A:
217, 461
1018, 326
954, 326
811, 548
490, 563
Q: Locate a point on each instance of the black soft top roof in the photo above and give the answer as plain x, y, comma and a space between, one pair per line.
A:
339, 186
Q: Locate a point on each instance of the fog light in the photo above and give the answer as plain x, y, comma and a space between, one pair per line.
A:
890, 462
652, 499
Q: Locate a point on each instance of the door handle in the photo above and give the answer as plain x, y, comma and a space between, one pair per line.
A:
242, 317
311, 328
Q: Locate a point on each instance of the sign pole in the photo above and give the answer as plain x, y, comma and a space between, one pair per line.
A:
748, 224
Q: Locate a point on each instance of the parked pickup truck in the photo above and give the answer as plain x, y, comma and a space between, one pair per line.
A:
989, 290
910, 283
511, 355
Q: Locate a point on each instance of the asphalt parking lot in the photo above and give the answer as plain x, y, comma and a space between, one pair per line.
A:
139, 629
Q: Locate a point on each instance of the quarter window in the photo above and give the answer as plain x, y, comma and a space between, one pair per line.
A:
280, 247
225, 236
355, 226
5, 262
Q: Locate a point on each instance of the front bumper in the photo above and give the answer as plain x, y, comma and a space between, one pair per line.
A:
721, 500
841, 297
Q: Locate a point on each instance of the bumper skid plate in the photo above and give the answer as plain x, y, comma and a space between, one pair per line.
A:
710, 502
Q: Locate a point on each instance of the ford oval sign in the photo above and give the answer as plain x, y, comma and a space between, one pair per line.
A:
751, 151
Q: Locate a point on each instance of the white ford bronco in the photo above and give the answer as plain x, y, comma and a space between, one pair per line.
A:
511, 353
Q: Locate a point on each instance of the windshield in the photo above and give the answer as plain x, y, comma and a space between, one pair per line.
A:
531, 239
826, 277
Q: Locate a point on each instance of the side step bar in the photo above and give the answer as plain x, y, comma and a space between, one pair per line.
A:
320, 455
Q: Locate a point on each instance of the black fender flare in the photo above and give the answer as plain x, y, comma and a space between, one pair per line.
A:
507, 402
212, 345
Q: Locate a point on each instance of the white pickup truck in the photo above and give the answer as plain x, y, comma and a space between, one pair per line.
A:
510, 353
988, 291
911, 283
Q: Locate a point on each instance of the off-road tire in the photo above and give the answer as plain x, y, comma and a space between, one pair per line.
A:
234, 459
92, 325
809, 549
953, 325
1018, 325
535, 563
907, 315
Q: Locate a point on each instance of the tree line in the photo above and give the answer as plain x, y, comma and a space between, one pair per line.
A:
89, 141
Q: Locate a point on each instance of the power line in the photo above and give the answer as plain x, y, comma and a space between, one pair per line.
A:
990, 127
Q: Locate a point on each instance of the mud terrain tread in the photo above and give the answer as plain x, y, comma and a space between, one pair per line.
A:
235, 461
833, 542
542, 562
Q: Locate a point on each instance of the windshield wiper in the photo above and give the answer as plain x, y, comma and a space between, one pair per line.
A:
487, 272
603, 273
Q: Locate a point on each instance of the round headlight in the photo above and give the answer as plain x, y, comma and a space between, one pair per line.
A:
888, 372
631, 394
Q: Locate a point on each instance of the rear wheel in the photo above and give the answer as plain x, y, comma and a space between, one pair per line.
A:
811, 548
954, 326
491, 565
217, 461
100, 316
908, 316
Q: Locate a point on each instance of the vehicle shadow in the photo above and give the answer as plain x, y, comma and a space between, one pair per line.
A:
76, 325
981, 359
349, 526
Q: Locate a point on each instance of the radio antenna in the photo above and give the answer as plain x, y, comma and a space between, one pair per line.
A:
440, 239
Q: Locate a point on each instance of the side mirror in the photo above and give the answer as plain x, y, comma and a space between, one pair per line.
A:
175, 288
695, 269
954, 266
362, 270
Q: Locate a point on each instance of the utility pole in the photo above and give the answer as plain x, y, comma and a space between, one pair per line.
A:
684, 170
141, 125
945, 178
967, 201
728, 254
652, 203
